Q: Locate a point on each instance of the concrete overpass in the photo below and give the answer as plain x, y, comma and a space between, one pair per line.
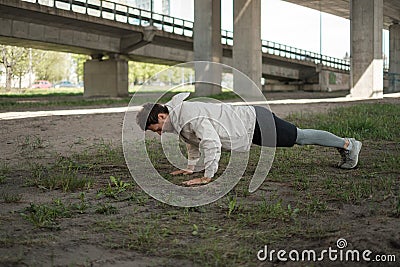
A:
367, 18
121, 32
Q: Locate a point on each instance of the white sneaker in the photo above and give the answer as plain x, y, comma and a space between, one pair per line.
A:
350, 157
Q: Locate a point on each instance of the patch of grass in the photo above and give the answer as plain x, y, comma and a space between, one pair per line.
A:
314, 205
139, 198
64, 177
106, 153
12, 198
302, 183
30, 143
136, 235
356, 190
278, 210
40, 92
4, 171
115, 187
13, 104
44, 216
106, 209
4, 168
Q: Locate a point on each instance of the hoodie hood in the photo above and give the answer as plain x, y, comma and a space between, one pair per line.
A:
174, 108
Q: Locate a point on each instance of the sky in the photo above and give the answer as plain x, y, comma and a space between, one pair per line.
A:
296, 26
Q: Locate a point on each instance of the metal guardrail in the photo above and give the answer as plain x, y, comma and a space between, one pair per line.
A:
286, 51
121, 13
136, 16
304, 55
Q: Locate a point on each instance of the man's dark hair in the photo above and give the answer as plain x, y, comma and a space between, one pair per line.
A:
149, 115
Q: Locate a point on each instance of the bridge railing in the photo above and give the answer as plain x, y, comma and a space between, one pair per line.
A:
286, 51
140, 17
122, 13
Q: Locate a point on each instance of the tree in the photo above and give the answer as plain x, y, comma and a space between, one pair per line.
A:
139, 72
49, 65
22, 66
14, 60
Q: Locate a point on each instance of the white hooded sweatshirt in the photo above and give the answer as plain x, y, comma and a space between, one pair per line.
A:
209, 127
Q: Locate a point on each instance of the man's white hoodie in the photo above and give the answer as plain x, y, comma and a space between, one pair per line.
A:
209, 127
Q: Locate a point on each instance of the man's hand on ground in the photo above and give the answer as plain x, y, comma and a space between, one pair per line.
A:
184, 172
197, 181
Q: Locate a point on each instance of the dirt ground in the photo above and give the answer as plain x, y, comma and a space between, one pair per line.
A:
24, 141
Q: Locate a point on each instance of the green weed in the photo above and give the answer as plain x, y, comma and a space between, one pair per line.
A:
232, 205
65, 177
277, 210
106, 209
44, 216
302, 183
115, 187
4, 171
195, 229
82, 205
3, 178
314, 205
139, 198
30, 143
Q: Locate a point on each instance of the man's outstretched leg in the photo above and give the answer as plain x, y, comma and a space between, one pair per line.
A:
349, 148
286, 134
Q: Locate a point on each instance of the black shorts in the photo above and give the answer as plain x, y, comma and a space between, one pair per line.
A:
285, 133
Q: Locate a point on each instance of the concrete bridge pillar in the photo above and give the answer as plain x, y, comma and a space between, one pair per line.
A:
207, 45
394, 58
366, 48
106, 77
247, 54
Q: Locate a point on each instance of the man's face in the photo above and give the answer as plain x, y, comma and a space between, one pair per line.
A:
163, 124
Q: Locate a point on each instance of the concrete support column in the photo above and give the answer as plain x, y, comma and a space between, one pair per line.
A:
366, 48
394, 58
207, 45
106, 77
247, 55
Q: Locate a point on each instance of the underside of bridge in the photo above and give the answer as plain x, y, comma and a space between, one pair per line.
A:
45, 27
341, 8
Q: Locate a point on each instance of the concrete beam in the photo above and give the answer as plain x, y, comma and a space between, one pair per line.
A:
67, 40
136, 40
366, 48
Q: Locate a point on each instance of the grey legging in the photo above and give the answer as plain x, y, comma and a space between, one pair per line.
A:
318, 137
